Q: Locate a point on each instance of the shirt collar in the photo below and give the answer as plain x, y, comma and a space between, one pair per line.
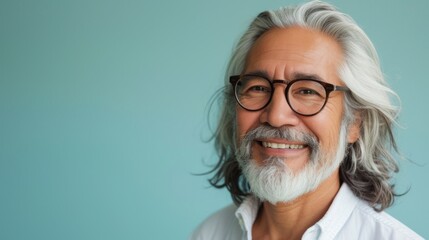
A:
246, 214
340, 210
336, 216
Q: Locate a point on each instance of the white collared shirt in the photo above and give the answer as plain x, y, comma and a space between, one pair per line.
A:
348, 217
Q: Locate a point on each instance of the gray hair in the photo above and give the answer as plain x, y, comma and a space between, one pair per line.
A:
369, 164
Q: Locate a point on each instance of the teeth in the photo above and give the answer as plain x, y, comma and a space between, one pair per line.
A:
282, 145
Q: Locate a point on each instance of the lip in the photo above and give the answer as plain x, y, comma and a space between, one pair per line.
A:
280, 141
280, 148
282, 145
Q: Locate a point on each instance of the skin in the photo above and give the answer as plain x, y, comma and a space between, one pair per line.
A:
285, 54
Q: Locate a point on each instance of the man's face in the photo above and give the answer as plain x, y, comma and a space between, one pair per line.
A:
287, 54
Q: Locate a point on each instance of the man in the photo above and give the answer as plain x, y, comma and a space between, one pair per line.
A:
305, 133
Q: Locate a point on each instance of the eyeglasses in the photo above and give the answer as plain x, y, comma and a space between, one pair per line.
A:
306, 97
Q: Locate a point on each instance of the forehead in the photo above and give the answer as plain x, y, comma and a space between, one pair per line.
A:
284, 52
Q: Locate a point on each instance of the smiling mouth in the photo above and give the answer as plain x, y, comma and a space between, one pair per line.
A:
282, 145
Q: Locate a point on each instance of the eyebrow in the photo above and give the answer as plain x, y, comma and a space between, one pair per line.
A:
260, 73
299, 75
295, 75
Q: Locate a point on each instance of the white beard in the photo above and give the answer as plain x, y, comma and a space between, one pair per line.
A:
275, 182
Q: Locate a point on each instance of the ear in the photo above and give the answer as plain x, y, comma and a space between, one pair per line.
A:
353, 133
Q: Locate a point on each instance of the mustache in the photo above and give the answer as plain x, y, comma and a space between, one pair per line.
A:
287, 133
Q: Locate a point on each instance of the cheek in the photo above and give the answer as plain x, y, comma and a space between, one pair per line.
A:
332, 135
326, 127
246, 121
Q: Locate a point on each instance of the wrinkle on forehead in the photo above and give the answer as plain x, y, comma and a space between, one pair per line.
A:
284, 52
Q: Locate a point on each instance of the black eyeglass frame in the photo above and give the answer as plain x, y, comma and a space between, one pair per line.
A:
327, 86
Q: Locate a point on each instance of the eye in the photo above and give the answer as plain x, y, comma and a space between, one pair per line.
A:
258, 89
307, 91
254, 87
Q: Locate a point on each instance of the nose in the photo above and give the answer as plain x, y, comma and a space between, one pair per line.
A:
278, 113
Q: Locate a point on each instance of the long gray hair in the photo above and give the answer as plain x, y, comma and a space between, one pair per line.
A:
369, 165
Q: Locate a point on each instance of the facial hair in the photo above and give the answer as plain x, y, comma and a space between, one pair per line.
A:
273, 180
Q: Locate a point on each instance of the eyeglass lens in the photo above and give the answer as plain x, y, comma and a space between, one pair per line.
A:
303, 96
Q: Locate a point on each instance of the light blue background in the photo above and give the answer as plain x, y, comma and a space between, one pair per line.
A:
103, 111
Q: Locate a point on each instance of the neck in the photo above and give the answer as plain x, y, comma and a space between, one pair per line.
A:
290, 220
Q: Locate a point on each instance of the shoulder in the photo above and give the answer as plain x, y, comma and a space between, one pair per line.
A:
377, 225
350, 217
222, 224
